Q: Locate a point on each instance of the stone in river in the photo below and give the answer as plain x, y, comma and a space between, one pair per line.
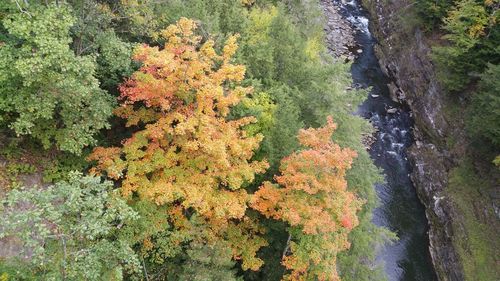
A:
392, 110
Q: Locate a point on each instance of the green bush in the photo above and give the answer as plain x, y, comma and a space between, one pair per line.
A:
59, 168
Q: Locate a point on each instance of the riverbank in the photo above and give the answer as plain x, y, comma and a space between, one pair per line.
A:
400, 210
339, 34
460, 199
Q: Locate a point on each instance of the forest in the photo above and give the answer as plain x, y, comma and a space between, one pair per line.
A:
180, 140
468, 60
206, 139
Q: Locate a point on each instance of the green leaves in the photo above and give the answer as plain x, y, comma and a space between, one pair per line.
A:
432, 11
484, 112
466, 23
47, 91
473, 33
208, 263
198, 163
70, 229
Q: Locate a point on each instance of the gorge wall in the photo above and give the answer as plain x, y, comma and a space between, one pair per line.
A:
403, 52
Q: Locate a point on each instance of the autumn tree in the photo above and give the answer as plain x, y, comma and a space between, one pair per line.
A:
294, 83
186, 155
311, 196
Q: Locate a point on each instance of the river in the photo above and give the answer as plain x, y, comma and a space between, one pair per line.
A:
400, 210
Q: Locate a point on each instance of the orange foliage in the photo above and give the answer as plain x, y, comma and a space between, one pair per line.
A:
188, 155
311, 196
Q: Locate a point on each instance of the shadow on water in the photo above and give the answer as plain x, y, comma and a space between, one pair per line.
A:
400, 210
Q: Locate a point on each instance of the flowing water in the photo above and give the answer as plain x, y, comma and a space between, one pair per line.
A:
400, 210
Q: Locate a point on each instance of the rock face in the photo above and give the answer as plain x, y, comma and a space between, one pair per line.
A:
339, 34
430, 176
404, 56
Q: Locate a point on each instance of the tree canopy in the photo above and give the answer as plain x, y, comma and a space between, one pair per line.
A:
188, 156
73, 230
211, 98
48, 91
311, 195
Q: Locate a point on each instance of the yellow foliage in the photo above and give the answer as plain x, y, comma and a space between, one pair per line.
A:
311, 196
261, 20
313, 48
263, 104
247, 2
496, 161
188, 156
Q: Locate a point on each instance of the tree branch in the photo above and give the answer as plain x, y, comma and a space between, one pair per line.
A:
21, 9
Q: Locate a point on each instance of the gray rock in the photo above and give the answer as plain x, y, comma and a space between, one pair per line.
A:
392, 110
410, 66
339, 33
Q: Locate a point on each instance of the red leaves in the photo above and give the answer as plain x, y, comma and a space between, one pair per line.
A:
188, 156
346, 222
319, 138
311, 195
107, 159
312, 190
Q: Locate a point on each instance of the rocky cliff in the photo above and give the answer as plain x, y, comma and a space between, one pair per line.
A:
403, 53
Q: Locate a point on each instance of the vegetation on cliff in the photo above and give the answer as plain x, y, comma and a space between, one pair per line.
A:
469, 56
467, 63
